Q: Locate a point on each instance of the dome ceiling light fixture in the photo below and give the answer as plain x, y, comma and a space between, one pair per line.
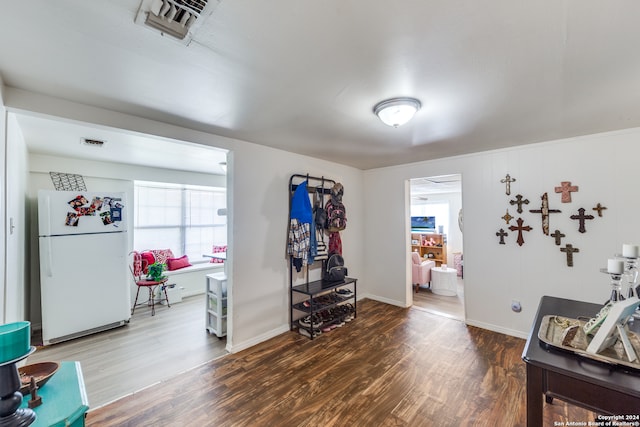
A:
396, 111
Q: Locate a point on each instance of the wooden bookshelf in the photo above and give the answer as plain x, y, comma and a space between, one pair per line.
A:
432, 246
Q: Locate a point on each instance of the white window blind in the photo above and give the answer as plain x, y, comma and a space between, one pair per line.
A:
182, 218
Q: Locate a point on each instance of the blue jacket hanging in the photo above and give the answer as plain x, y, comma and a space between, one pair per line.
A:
301, 205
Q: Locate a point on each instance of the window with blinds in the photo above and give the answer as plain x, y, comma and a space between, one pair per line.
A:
187, 219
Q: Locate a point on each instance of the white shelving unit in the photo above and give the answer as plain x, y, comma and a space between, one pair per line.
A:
217, 304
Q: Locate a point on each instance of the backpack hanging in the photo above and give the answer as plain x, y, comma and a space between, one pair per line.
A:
336, 212
335, 269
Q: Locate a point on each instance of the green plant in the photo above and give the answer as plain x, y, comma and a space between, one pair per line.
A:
155, 271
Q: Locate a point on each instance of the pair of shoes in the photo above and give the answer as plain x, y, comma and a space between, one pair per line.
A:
308, 305
312, 320
339, 322
325, 315
329, 327
352, 310
347, 311
344, 292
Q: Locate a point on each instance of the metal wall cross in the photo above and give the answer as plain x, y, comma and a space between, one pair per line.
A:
582, 217
508, 180
501, 234
558, 236
566, 188
518, 201
520, 229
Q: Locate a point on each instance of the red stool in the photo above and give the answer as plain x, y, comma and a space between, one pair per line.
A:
151, 286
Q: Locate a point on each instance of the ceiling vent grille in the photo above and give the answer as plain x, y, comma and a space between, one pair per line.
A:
177, 18
92, 142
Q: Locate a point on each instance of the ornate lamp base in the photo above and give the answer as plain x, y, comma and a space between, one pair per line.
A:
21, 418
10, 397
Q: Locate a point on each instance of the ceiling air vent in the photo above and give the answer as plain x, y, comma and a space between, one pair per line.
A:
177, 18
92, 142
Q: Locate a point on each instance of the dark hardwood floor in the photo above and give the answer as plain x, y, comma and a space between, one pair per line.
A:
389, 367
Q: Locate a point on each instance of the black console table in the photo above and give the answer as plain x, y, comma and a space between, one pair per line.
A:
596, 386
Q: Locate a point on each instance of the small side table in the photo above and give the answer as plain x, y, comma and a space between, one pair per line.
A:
444, 281
64, 398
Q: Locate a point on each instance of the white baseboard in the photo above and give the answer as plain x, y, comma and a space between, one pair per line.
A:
494, 328
384, 300
234, 348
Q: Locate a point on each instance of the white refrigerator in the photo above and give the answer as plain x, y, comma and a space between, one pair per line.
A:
84, 276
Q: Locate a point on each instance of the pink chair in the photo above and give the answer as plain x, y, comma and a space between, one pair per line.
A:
420, 270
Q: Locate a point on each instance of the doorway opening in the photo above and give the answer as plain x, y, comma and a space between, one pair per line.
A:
437, 259
149, 349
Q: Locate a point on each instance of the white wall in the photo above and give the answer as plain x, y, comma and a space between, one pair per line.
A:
258, 213
603, 166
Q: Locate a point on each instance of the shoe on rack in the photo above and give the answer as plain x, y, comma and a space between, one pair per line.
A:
312, 320
344, 292
346, 311
328, 328
350, 311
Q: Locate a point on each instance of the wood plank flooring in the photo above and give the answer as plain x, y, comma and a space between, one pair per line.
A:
148, 350
388, 367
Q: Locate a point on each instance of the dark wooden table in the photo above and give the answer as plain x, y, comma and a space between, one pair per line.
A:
596, 386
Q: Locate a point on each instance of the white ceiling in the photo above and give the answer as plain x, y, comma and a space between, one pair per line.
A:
423, 188
304, 76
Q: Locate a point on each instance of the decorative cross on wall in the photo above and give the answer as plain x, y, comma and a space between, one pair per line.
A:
581, 217
507, 180
507, 217
544, 212
569, 249
501, 234
599, 208
520, 229
558, 236
566, 189
518, 201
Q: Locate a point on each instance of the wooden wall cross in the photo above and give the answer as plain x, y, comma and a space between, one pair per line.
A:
569, 249
599, 208
518, 201
566, 189
544, 212
520, 229
581, 217
507, 180
558, 236
501, 234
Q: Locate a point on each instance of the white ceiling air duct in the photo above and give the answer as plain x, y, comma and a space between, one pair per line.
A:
177, 18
